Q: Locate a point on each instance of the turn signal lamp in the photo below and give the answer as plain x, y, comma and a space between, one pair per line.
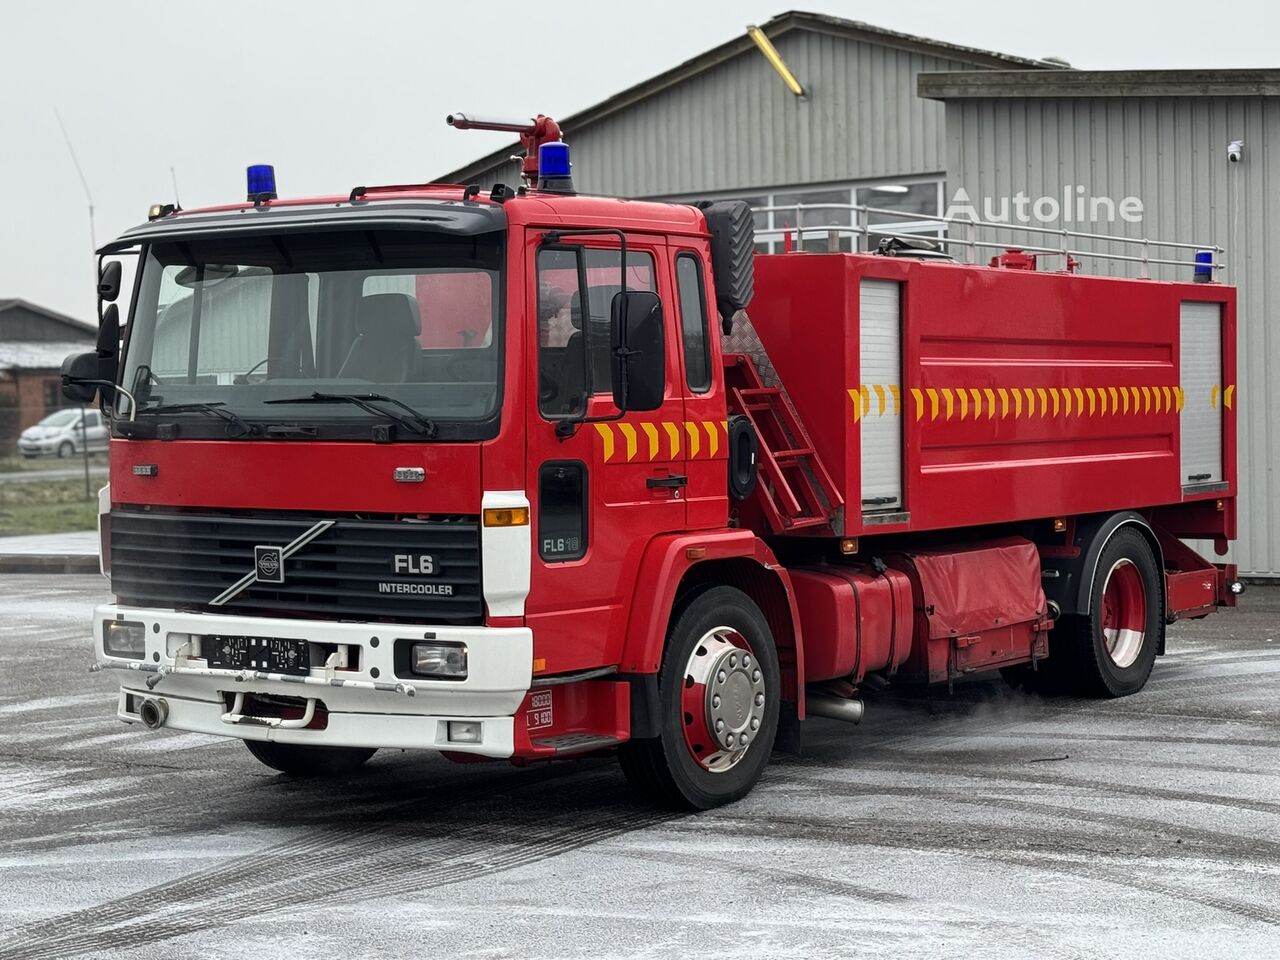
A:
506, 516
262, 182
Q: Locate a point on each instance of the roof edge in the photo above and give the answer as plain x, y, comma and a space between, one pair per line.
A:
1012, 84
777, 26
8, 302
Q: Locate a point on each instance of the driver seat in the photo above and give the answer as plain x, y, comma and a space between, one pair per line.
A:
385, 349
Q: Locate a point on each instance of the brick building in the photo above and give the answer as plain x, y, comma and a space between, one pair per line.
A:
33, 343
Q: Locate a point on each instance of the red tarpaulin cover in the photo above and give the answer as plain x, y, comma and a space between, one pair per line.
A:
969, 590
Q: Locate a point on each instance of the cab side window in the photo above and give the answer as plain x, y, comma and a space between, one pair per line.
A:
573, 330
693, 322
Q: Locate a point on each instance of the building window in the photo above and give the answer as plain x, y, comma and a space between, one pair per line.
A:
52, 395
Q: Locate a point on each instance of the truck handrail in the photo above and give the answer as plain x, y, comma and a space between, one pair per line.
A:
970, 241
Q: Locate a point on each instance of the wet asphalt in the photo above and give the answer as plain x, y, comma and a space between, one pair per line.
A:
978, 823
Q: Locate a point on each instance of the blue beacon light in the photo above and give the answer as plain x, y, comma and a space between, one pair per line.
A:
262, 182
1204, 267
554, 167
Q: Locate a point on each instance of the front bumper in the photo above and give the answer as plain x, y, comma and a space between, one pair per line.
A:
366, 707
35, 448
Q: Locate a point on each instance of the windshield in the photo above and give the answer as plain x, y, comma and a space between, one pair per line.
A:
60, 419
246, 323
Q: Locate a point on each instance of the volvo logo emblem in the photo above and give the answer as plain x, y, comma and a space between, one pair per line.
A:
269, 564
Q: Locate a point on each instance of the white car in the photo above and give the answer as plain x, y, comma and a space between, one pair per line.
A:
63, 434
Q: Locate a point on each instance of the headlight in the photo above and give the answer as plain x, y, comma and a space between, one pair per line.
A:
124, 638
441, 661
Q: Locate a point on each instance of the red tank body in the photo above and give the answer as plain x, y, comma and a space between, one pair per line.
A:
1020, 394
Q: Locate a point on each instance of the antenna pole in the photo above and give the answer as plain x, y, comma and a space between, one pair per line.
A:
93, 233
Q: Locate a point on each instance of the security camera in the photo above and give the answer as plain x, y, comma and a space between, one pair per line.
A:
1235, 151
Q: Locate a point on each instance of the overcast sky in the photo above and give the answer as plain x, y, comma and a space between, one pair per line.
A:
340, 93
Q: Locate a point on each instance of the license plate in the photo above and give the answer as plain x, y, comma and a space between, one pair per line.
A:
267, 654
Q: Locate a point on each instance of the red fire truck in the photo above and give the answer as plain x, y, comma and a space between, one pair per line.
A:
515, 474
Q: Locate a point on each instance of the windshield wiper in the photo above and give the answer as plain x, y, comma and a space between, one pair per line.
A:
414, 421
212, 409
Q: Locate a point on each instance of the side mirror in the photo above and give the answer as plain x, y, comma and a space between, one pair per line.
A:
109, 281
81, 376
109, 332
639, 353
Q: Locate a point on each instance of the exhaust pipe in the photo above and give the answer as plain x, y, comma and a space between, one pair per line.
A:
153, 713
834, 708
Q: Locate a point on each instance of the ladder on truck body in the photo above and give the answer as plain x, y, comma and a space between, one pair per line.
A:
795, 491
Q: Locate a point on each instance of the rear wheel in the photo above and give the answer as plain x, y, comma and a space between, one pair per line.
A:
1109, 651
299, 760
718, 693
65, 449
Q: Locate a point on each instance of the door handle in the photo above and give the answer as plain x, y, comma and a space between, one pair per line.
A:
675, 480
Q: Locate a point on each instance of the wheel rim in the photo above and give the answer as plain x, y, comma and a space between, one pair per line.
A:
723, 700
1124, 613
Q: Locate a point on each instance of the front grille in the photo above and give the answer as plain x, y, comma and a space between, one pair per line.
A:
184, 559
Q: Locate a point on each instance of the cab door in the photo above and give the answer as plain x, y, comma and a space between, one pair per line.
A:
600, 490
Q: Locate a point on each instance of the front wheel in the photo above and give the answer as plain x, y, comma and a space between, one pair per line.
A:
65, 449
300, 760
719, 689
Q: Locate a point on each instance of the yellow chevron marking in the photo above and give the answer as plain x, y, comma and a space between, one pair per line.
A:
1004, 401
1031, 401
1146, 399
651, 431
1213, 397
713, 437
865, 393
897, 398
1054, 396
918, 396
991, 402
1044, 400
1168, 398
946, 395
977, 401
1102, 400
880, 397
933, 403
1137, 396
606, 435
1079, 401
1115, 403
1178, 398
673, 434
1228, 396
1124, 395
1093, 400
857, 404
694, 438
964, 403
629, 433
1066, 400
1017, 403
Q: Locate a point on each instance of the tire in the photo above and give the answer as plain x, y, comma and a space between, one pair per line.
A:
737, 666
299, 760
1109, 651
65, 449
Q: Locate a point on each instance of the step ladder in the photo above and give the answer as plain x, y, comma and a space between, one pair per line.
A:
795, 491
